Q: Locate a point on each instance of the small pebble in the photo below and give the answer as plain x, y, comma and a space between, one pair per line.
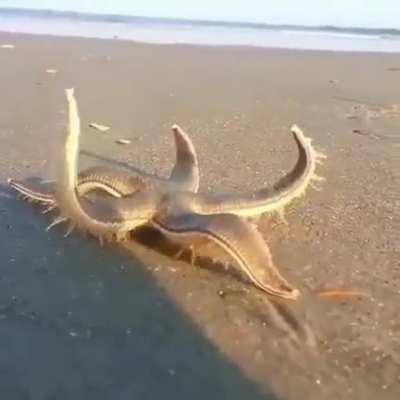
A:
101, 128
123, 141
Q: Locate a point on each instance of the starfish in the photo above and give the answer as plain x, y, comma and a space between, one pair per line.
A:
186, 217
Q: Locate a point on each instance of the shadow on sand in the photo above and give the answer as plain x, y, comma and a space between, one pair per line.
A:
121, 164
73, 325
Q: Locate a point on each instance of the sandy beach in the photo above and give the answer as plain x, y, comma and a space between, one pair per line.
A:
87, 322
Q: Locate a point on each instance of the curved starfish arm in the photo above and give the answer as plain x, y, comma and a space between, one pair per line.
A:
110, 218
36, 192
239, 238
268, 199
185, 173
114, 182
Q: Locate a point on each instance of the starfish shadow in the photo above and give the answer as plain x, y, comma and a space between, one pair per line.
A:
78, 326
121, 164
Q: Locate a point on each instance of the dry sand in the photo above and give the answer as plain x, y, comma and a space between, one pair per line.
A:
81, 321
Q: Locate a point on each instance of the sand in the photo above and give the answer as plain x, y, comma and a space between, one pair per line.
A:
81, 321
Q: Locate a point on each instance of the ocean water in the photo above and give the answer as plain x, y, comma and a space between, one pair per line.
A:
167, 31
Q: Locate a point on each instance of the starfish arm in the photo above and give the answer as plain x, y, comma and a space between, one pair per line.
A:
239, 238
185, 173
108, 217
110, 181
268, 199
39, 192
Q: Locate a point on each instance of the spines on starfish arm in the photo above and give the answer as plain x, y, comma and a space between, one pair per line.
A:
31, 193
56, 221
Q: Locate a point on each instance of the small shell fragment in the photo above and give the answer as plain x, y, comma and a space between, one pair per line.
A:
7, 46
123, 141
340, 295
51, 71
101, 128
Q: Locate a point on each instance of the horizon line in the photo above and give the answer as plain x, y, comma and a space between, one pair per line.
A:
210, 22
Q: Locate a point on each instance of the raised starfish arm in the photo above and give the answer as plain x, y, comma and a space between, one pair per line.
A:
268, 199
239, 238
109, 218
186, 170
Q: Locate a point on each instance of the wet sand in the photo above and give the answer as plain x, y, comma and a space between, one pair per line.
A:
81, 321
